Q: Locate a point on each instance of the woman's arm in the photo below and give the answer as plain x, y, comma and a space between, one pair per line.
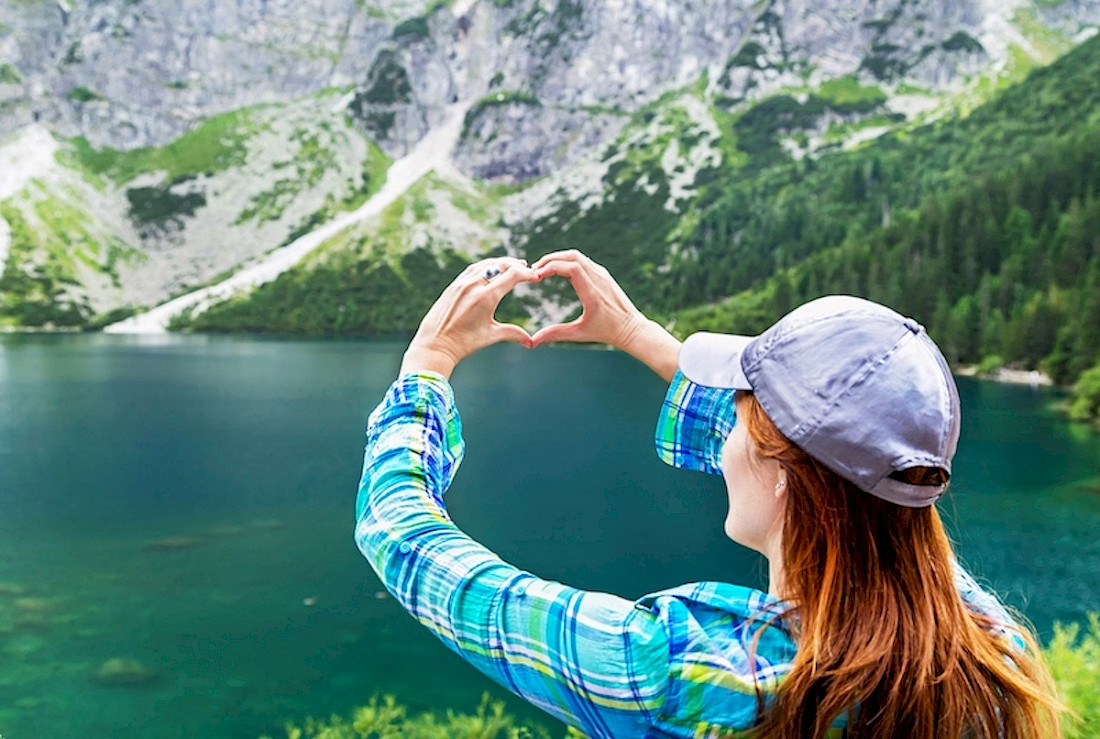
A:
609, 316
682, 663
593, 660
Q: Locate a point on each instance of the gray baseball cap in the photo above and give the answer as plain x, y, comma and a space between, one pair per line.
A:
859, 387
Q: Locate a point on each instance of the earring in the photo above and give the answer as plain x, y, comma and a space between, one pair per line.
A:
780, 485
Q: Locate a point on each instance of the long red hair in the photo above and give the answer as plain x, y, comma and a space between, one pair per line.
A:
881, 629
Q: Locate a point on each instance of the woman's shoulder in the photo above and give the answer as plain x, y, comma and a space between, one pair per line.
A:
727, 618
711, 594
729, 645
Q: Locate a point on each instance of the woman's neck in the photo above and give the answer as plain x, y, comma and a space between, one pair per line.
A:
777, 584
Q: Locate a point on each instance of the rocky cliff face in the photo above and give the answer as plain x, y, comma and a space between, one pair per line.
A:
552, 78
125, 73
561, 91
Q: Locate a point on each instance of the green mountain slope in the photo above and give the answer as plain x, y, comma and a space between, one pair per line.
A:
985, 228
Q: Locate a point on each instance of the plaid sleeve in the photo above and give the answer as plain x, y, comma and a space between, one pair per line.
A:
693, 425
592, 660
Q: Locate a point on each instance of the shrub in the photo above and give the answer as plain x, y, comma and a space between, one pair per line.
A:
1074, 659
83, 94
157, 206
384, 717
9, 75
413, 27
1085, 405
990, 364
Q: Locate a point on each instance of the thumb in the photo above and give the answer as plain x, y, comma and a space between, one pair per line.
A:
557, 332
511, 332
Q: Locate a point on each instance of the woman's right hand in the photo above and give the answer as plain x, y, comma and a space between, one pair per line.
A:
608, 316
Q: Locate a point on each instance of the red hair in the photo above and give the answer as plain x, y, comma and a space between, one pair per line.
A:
881, 629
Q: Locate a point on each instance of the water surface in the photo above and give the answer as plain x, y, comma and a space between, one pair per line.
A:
187, 502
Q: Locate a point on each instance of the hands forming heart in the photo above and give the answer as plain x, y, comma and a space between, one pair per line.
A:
461, 320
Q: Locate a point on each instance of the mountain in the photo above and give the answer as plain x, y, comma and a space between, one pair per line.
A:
717, 156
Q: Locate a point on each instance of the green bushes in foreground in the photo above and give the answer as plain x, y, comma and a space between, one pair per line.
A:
384, 717
1073, 656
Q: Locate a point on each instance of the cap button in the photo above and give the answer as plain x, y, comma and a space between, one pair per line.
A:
912, 325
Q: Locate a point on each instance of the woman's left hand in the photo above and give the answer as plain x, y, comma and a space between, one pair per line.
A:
461, 320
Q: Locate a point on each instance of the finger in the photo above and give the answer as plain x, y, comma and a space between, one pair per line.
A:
511, 276
493, 264
567, 255
511, 332
558, 332
573, 271
487, 271
560, 267
503, 263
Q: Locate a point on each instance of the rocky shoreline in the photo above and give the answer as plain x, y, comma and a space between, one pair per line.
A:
1012, 376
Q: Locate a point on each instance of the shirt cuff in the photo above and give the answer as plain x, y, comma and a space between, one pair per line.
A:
416, 422
693, 425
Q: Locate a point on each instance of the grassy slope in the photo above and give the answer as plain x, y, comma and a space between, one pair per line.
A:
379, 278
58, 235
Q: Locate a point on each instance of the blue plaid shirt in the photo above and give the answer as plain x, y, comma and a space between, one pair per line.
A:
693, 661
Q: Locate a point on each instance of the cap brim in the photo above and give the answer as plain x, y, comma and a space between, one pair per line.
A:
714, 360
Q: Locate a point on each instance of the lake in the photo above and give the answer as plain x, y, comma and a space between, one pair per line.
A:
176, 554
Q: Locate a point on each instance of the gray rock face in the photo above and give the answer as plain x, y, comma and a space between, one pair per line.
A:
546, 85
129, 73
553, 79
513, 141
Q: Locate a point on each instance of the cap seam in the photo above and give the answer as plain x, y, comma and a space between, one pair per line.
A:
779, 335
862, 377
946, 402
857, 381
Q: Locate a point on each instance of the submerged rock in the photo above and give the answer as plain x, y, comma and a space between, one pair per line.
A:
32, 614
12, 588
24, 645
124, 671
171, 544
33, 605
267, 523
31, 621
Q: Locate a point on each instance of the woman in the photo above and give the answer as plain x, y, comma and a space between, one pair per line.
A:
846, 421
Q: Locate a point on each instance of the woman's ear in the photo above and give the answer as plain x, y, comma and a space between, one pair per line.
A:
781, 483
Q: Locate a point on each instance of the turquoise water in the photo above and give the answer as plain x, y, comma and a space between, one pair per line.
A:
186, 503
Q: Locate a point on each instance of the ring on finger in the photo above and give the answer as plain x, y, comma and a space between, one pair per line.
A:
490, 272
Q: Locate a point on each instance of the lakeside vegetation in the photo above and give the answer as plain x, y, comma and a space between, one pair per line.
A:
1073, 655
